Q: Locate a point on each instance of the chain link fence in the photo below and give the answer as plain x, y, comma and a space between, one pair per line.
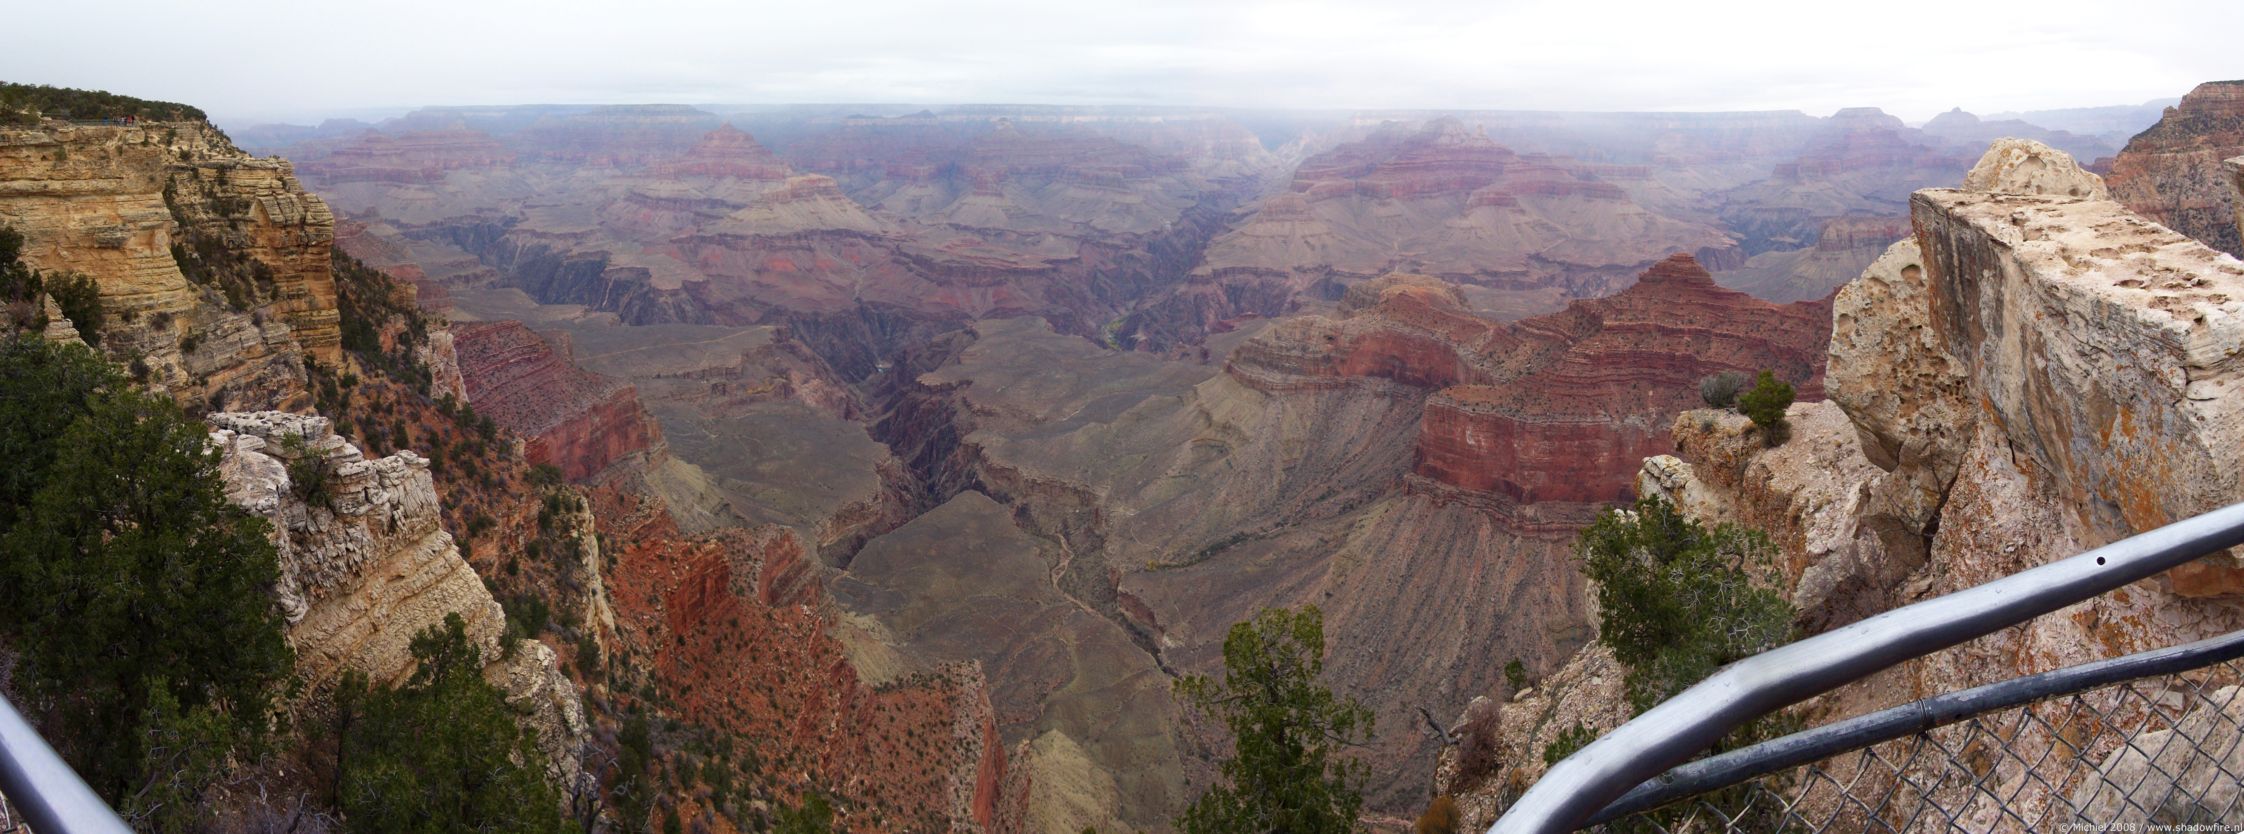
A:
2161, 752
9, 822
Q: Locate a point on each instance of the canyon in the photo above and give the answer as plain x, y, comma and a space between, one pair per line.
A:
908, 457
1060, 399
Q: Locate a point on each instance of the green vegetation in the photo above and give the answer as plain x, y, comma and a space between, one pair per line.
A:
1515, 675
1765, 404
152, 650
308, 475
441, 753
371, 304
1677, 600
815, 815
1568, 742
1721, 390
1287, 730
208, 260
21, 286
25, 103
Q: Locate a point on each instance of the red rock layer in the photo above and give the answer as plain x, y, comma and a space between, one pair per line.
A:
980, 155
1446, 157
576, 420
1559, 409
732, 626
617, 136
2172, 173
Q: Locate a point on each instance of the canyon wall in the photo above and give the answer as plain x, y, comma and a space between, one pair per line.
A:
213, 265
2172, 174
575, 420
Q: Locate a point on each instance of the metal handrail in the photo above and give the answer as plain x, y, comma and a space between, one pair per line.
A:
1682, 726
42, 787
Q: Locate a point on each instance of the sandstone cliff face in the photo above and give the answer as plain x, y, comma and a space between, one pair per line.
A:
365, 567
2171, 173
576, 420
123, 205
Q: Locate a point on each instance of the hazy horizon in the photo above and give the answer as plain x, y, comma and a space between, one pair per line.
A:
257, 61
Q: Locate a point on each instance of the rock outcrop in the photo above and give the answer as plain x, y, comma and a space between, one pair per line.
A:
213, 265
575, 420
365, 566
2171, 173
2029, 376
2024, 166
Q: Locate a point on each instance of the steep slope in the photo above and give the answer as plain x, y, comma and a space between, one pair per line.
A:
2171, 173
577, 421
222, 284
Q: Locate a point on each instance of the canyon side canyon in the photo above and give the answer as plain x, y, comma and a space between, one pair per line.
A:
909, 457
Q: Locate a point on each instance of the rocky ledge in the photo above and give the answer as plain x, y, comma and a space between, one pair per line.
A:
365, 566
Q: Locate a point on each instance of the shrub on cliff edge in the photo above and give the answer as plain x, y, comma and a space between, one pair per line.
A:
1765, 404
1677, 600
1721, 390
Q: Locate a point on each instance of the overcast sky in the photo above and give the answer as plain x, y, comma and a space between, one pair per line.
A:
300, 60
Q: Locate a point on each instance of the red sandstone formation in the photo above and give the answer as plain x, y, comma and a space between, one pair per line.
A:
1545, 417
573, 419
2172, 173
732, 623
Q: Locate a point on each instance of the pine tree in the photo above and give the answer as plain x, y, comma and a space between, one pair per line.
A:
1285, 773
441, 753
137, 594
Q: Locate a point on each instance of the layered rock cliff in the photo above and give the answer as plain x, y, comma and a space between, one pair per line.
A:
366, 566
1444, 199
572, 419
2172, 174
1544, 419
214, 264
